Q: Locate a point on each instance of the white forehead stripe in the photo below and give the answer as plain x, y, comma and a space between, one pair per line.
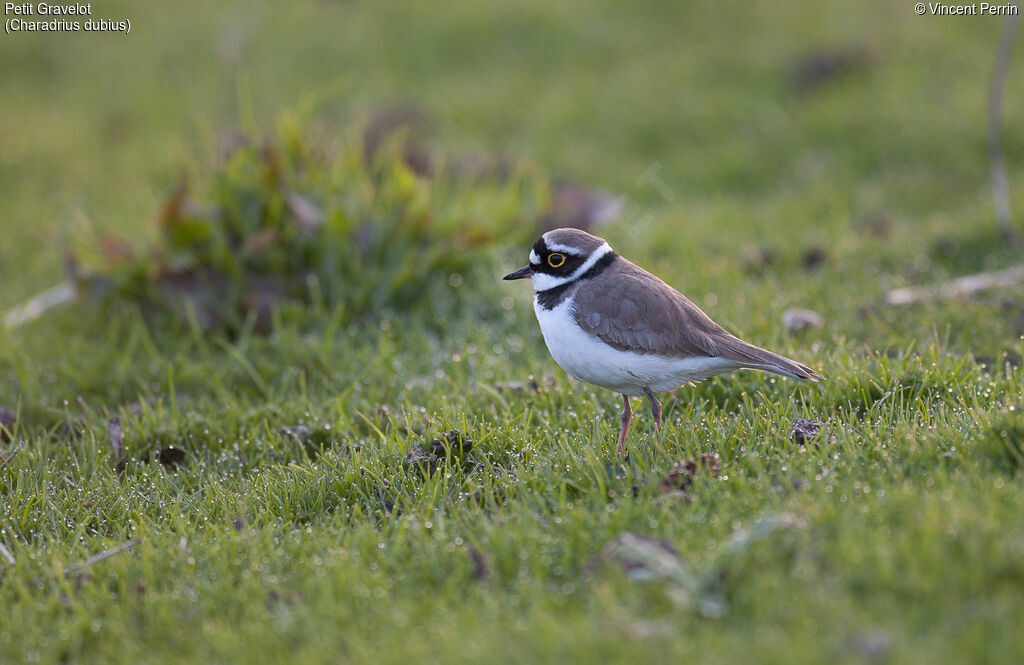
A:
533, 257
558, 247
564, 249
543, 281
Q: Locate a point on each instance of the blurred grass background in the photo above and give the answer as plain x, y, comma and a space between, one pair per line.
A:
903, 541
599, 93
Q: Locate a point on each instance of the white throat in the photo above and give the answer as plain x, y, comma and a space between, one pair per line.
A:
543, 282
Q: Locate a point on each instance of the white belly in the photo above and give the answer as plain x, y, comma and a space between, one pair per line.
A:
589, 359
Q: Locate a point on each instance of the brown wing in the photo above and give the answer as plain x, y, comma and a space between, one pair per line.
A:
632, 310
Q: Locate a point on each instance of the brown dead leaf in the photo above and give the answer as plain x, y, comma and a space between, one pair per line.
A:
174, 207
116, 249
681, 477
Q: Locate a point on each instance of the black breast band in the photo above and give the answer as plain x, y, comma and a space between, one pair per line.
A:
553, 297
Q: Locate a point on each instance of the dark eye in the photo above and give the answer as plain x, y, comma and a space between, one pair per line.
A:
556, 260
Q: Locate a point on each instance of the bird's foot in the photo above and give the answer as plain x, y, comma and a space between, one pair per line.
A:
655, 411
626, 418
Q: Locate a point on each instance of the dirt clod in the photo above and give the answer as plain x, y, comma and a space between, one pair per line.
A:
453, 441
170, 457
814, 257
803, 430
417, 455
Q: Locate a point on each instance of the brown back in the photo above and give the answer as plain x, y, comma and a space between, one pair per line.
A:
630, 309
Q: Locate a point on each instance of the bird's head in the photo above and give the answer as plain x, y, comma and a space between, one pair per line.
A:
561, 256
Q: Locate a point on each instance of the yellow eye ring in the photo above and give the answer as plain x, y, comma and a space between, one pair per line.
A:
556, 260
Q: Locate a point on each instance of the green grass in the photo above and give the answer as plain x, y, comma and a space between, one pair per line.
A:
896, 536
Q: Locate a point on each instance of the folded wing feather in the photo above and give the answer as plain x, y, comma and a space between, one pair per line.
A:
636, 311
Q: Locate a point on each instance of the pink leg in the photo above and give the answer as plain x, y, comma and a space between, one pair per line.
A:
627, 417
655, 409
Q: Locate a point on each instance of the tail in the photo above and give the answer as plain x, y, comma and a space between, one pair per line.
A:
754, 357
786, 367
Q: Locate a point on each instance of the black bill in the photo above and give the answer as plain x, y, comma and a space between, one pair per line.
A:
522, 273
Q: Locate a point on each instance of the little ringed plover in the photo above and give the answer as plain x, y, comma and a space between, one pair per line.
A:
609, 322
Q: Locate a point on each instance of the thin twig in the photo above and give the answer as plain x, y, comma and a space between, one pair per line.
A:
8, 457
963, 286
6, 554
105, 554
40, 304
997, 164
